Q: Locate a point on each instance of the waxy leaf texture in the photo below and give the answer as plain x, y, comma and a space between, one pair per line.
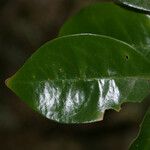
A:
74, 79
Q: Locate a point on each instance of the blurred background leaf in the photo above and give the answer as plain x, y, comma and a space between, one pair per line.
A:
143, 140
128, 26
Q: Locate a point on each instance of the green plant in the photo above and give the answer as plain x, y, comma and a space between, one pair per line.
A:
143, 5
97, 63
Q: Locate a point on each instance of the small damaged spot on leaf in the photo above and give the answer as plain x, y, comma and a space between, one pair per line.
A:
127, 57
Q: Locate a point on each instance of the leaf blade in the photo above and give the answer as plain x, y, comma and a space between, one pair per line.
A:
74, 79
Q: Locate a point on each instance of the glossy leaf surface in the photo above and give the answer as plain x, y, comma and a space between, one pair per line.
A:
114, 21
74, 79
138, 4
143, 140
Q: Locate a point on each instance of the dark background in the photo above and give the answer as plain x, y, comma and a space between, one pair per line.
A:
24, 26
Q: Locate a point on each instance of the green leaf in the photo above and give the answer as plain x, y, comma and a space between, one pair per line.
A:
111, 20
143, 140
74, 79
137, 4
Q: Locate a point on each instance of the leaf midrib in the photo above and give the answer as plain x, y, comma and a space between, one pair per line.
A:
86, 80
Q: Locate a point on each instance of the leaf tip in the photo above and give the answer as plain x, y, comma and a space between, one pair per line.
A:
8, 82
